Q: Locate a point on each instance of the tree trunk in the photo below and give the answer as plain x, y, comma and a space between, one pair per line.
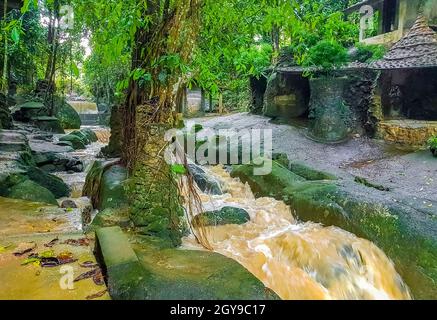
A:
220, 103
276, 38
5, 57
151, 110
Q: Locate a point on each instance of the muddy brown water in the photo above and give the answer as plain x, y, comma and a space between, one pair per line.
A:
298, 260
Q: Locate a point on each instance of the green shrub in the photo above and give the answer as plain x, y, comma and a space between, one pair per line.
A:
432, 142
327, 55
369, 53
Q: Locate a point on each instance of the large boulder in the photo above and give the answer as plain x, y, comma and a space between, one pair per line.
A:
286, 96
77, 142
205, 183
79, 139
224, 216
405, 229
52, 183
31, 191
104, 185
67, 115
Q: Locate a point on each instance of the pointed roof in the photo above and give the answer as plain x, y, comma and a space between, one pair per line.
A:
417, 49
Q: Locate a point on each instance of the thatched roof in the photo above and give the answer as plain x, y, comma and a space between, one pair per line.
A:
417, 49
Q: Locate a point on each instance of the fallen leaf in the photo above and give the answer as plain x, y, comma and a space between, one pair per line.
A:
89, 264
49, 262
47, 254
52, 243
83, 242
24, 248
97, 295
98, 278
34, 261
87, 275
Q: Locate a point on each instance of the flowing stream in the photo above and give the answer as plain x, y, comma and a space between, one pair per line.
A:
297, 260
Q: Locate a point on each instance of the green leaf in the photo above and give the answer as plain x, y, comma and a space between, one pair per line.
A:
35, 261
178, 169
162, 77
75, 70
15, 35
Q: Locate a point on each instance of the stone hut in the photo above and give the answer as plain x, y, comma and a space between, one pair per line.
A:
407, 87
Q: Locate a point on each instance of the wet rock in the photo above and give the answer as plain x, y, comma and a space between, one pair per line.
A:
268, 185
104, 185
309, 173
39, 146
227, 215
112, 193
68, 204
80, 139
205, 183
77, 142
12, 141
49, 124
31, 191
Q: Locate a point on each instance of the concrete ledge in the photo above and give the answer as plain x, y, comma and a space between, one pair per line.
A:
410, 132
115, 247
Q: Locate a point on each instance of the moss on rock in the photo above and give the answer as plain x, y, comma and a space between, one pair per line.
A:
52, 183
227, 215
76, 142
31, 191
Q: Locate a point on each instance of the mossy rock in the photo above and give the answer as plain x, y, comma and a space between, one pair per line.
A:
112, 193
137, 272
267, 185
31, 191
77, 142
225, 216
52, 183
68, 117
49, 124
28, 110
309, 173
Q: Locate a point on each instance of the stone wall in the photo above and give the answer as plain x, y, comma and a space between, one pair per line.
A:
407, 132
359, 96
